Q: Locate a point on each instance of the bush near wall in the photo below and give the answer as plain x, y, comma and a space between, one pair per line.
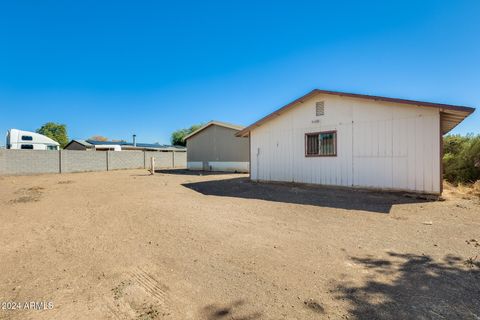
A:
461, 160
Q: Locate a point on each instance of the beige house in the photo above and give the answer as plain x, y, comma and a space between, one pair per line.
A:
214, 147
355, 140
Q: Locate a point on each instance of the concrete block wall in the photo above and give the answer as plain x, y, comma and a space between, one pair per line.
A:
125, 160
81, 161
162, 159
13, 162
180, 160
29, 161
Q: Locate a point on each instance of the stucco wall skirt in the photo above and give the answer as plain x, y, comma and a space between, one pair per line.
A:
228, 166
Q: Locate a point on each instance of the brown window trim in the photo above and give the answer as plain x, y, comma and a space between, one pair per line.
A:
318, 133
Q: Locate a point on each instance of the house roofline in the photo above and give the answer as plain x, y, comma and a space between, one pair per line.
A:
458, 113
211, 123
82, 142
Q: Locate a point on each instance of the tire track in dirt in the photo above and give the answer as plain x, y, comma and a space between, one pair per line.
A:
151, 285
139, 295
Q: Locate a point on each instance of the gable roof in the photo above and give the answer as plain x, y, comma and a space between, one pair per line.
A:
82, 142
451, 115
213, 123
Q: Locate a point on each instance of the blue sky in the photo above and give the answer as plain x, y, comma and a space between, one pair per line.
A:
114, 68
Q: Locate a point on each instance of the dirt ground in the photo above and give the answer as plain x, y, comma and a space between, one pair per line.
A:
178, 245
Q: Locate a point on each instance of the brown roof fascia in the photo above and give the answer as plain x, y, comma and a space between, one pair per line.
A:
462, 109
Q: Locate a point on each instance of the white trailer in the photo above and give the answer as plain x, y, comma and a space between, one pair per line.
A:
19, 139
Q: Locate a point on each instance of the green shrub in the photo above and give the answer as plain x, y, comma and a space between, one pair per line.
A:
178, 136
461, 161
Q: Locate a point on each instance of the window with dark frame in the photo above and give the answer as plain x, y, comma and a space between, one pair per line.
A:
26, 146
312, 144
321, 144
27, 138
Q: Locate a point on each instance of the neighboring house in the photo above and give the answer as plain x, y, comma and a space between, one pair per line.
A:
120, 146
93, 145
19, 139
214, 147
355, 140
79, 145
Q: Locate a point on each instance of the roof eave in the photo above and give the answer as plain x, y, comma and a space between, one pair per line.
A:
211, 123
464, 110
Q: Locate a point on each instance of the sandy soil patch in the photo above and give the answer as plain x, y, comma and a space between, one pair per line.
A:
178, 245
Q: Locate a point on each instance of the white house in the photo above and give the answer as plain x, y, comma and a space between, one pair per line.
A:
354, 140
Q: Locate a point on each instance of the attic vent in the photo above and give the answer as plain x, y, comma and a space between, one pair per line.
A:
320, 108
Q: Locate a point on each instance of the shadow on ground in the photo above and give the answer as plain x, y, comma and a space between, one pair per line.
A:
322, 196
417, 287
237, 310
194, 172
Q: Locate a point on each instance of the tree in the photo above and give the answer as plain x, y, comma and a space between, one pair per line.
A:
454, 143
98, 138
55, 131
179, 135
461, 161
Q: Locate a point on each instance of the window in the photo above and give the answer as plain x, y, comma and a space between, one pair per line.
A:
320, 108
312, 144
319, 144
27, 146
27, 138
52, 148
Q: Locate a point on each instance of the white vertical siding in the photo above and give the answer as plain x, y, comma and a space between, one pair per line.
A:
379, 145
